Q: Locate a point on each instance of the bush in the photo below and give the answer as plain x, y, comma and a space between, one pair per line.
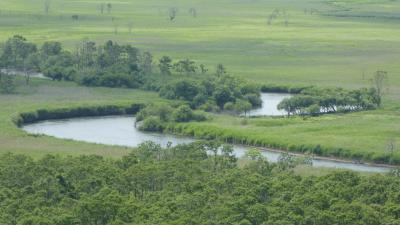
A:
152, 124
182, 114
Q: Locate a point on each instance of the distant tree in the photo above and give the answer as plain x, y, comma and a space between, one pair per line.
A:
31, 64
165, 65
109, 7
243, 106
220, 70
193, 12
50, 48
75, 17
203, 69
172, 12
223, 95
101, 8
391, 146
254, 154
186, 66
15, 51
47, 6
115, 26
130, 27
146, 62
7, 84
378, 82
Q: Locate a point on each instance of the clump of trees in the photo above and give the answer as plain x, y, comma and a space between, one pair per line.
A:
155, 117
199, 183
314, 101
214, 93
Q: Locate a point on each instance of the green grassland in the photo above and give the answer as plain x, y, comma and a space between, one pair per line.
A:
342, 44
334, 46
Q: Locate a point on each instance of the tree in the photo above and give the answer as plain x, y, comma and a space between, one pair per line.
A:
50, 48
391, 146
31, 64
7, 84
183, 114
109, 7
203, 69
243, 106
223, 95
146, 62
254, 154
186, 66
220, 70
130, 27
101, 8
172, 13
47, 6
165, 65
379, 81
115, 26
15, 51
193, 12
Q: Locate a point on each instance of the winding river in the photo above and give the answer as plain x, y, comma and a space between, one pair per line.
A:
121, 131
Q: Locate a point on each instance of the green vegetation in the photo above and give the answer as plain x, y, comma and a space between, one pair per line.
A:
114, 65
183, 185
154, 117
314, 101
307, 47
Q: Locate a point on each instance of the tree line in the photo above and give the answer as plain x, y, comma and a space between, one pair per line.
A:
315, 101
199, 183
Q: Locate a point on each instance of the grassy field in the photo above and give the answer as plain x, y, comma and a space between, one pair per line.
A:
342, 43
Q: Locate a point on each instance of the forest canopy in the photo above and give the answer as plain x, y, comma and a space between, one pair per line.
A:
185, 185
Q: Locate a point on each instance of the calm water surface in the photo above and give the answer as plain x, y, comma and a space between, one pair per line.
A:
121, 130
270, 105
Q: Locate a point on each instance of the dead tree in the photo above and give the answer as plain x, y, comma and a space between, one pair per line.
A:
109, 7
193, 12
172, 13
46, 6
102, 8
115, 25
379, 81
130, 27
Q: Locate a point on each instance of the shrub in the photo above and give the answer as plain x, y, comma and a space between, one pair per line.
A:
182, 114
152, 124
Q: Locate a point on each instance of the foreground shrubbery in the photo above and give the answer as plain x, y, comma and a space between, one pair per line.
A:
184, 185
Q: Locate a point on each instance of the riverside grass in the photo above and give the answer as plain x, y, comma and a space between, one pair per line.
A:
341, 46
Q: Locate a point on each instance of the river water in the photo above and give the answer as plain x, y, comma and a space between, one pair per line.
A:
121, 131
270, 105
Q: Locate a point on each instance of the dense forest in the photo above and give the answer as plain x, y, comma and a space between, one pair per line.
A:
185, 185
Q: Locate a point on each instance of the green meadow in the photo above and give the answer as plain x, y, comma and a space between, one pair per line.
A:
311, 42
